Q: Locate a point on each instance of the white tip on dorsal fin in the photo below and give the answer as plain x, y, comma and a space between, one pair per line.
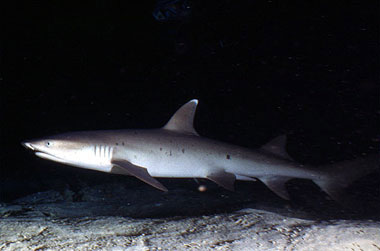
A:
277, 147
182, 121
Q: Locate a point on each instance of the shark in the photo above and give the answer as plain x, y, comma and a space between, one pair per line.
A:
177, 151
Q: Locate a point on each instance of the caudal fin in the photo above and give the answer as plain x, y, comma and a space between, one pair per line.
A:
337, 177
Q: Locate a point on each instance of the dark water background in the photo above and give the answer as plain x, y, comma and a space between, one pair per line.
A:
309, 69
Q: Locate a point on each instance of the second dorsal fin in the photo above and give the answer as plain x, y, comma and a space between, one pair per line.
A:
182, 121
277, 146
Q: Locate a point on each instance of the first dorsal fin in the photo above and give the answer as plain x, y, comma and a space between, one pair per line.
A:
277, 147
182, 120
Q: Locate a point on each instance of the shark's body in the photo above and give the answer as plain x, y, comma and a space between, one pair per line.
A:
177, 151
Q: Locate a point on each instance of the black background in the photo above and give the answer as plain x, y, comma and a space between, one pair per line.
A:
309, 69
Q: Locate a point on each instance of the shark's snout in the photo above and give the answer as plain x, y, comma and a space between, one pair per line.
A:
27, 145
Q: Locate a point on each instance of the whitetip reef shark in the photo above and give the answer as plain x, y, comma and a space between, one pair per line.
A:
177, 151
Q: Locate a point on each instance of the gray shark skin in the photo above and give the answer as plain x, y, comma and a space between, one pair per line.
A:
177, 151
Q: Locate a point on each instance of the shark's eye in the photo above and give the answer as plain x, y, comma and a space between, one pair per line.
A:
48, 143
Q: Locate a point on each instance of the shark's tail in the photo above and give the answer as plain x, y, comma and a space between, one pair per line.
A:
338, 176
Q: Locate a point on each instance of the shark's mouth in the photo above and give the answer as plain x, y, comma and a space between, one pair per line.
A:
48, 156
40, 153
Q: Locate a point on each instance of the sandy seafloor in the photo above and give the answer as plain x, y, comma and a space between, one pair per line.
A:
114, 217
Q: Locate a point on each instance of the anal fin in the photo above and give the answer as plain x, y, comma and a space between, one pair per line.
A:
277, 185
125, 167
223, 179
334, 189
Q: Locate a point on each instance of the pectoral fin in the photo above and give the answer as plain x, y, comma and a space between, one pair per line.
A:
277, 185
125, 167
223, 179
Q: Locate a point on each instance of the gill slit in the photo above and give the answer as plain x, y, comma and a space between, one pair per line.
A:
110, 152
103, 151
